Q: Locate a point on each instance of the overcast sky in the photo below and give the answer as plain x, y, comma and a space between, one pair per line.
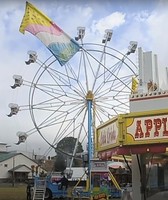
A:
141, 21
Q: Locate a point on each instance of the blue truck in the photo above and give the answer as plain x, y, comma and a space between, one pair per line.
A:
49, 188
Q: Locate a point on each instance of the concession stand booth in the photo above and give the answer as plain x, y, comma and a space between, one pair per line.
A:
142, 133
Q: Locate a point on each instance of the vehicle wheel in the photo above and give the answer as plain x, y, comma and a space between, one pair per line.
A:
48, 194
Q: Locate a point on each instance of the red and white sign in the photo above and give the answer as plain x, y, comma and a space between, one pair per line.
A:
149, 128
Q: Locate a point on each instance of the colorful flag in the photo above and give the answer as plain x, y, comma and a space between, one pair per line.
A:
57, 41
134, 85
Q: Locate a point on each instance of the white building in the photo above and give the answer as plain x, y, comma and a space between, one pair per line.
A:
16, 166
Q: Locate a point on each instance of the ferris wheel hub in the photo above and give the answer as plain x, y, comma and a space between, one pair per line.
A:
90, 95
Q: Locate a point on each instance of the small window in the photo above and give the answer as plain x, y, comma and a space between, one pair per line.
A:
5, 165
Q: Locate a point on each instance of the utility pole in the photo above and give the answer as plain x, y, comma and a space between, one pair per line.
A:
13, 171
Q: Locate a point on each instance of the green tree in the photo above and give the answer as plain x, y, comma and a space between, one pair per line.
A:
60, 163
67, 145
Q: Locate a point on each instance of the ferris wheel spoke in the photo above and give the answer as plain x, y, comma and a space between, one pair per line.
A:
60, 114
107, 74
64, 77
109, 71
59, 94
109, 107
123, 89
126, 79
55, 115
76, 87
66, 129
102, 113
92, 69
110, 78
69, 75
119, 106
122, 102
87, 65
62, 133
31, 131
98, 68
52, 105
85, 69
99, 118
111, 98
104, 94
117, 78
77, 80
117, 75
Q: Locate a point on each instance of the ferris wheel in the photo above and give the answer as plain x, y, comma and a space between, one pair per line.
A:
73, 99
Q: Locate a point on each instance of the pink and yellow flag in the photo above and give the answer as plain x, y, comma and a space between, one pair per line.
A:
57, 41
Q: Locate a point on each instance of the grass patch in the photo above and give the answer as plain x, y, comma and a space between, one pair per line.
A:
8, 192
